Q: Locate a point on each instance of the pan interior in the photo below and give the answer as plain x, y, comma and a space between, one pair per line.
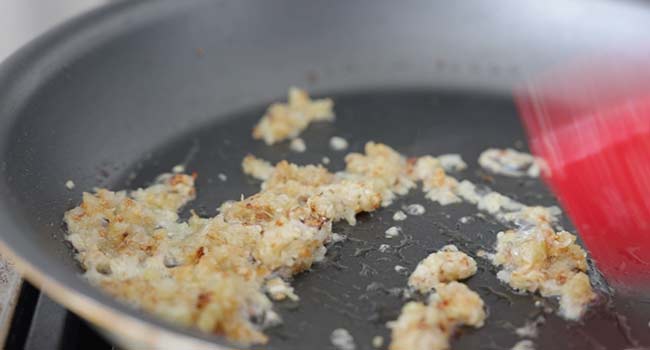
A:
357, 287
108, 101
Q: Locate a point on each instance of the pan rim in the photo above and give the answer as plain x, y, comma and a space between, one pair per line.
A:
112, 319
121, 322
65, 283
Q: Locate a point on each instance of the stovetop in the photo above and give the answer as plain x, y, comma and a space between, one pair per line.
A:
39, 323
29, 319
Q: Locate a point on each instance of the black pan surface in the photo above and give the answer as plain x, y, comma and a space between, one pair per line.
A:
357, 287
127, 92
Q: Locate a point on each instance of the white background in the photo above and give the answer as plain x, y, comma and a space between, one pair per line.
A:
22, 20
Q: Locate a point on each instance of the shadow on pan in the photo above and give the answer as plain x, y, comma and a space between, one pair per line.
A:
126, 92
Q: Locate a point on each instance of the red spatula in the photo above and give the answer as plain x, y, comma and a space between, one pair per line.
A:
590, 123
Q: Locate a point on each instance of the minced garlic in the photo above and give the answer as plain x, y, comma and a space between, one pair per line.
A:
446, 265
536, 259
399, 216
430, 326
509, 162
70, 185
213, 272
298, 145
338, 143
288, 120
278, 289
393, 231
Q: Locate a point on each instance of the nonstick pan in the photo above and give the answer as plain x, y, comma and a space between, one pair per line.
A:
126, 92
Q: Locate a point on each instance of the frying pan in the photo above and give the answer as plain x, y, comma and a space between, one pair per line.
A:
121, 94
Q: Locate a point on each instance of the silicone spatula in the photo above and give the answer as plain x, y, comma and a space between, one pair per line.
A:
590, 123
